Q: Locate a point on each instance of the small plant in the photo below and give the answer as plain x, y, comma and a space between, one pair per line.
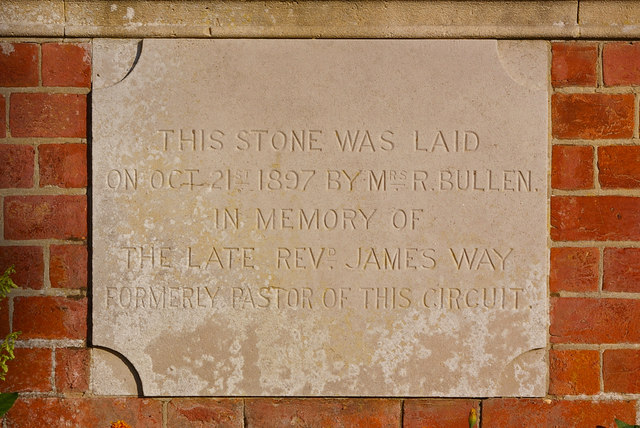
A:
473, 418
6, 283
621, 424
6, 352
6, 347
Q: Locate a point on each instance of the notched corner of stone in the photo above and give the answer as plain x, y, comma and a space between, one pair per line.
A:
113, 60
525, 375
525, 61
111, 375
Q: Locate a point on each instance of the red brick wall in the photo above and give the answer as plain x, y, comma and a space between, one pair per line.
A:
594, 355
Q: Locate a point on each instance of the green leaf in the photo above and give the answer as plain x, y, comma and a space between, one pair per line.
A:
6, 401
6, 352
6, 283
621, 424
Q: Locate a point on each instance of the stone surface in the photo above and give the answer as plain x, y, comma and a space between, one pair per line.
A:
296, 218
325, 18
32, 18
110, 375
605, 18
552, 19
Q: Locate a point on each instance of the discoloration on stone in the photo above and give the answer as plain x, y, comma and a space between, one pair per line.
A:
323, 218
109, 375
525, 61
326, 18
32, 18
114, 59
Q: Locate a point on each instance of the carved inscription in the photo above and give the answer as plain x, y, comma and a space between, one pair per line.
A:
334, 218
246, 297
514, 179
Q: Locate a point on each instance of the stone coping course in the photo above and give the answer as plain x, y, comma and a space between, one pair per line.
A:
552, 19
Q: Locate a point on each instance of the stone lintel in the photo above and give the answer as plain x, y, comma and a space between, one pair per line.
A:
321, 19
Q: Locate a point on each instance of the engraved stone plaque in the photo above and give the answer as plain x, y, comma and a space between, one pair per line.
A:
322, 217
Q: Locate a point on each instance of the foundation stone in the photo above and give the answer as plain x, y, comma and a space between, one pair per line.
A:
322, 217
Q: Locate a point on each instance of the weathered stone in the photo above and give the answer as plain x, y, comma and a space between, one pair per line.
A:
324, 18
611, 18
306, 217
32, 18
110, 375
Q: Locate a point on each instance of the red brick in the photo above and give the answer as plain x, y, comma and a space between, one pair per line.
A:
84, 412
320, 413
16, 165
72, 370
3, 117
63, 165
574, 269
586, 320
45, 317
28, 262
18, 64
42, 217
572, 167
48, 115
621, 370
621, 64
4, 318
574, 372
519, 413
573, 64
438, 413
68, 266
619, 167
592, 116
66, 64
598, 218
205, 412
622, 269
30, 371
